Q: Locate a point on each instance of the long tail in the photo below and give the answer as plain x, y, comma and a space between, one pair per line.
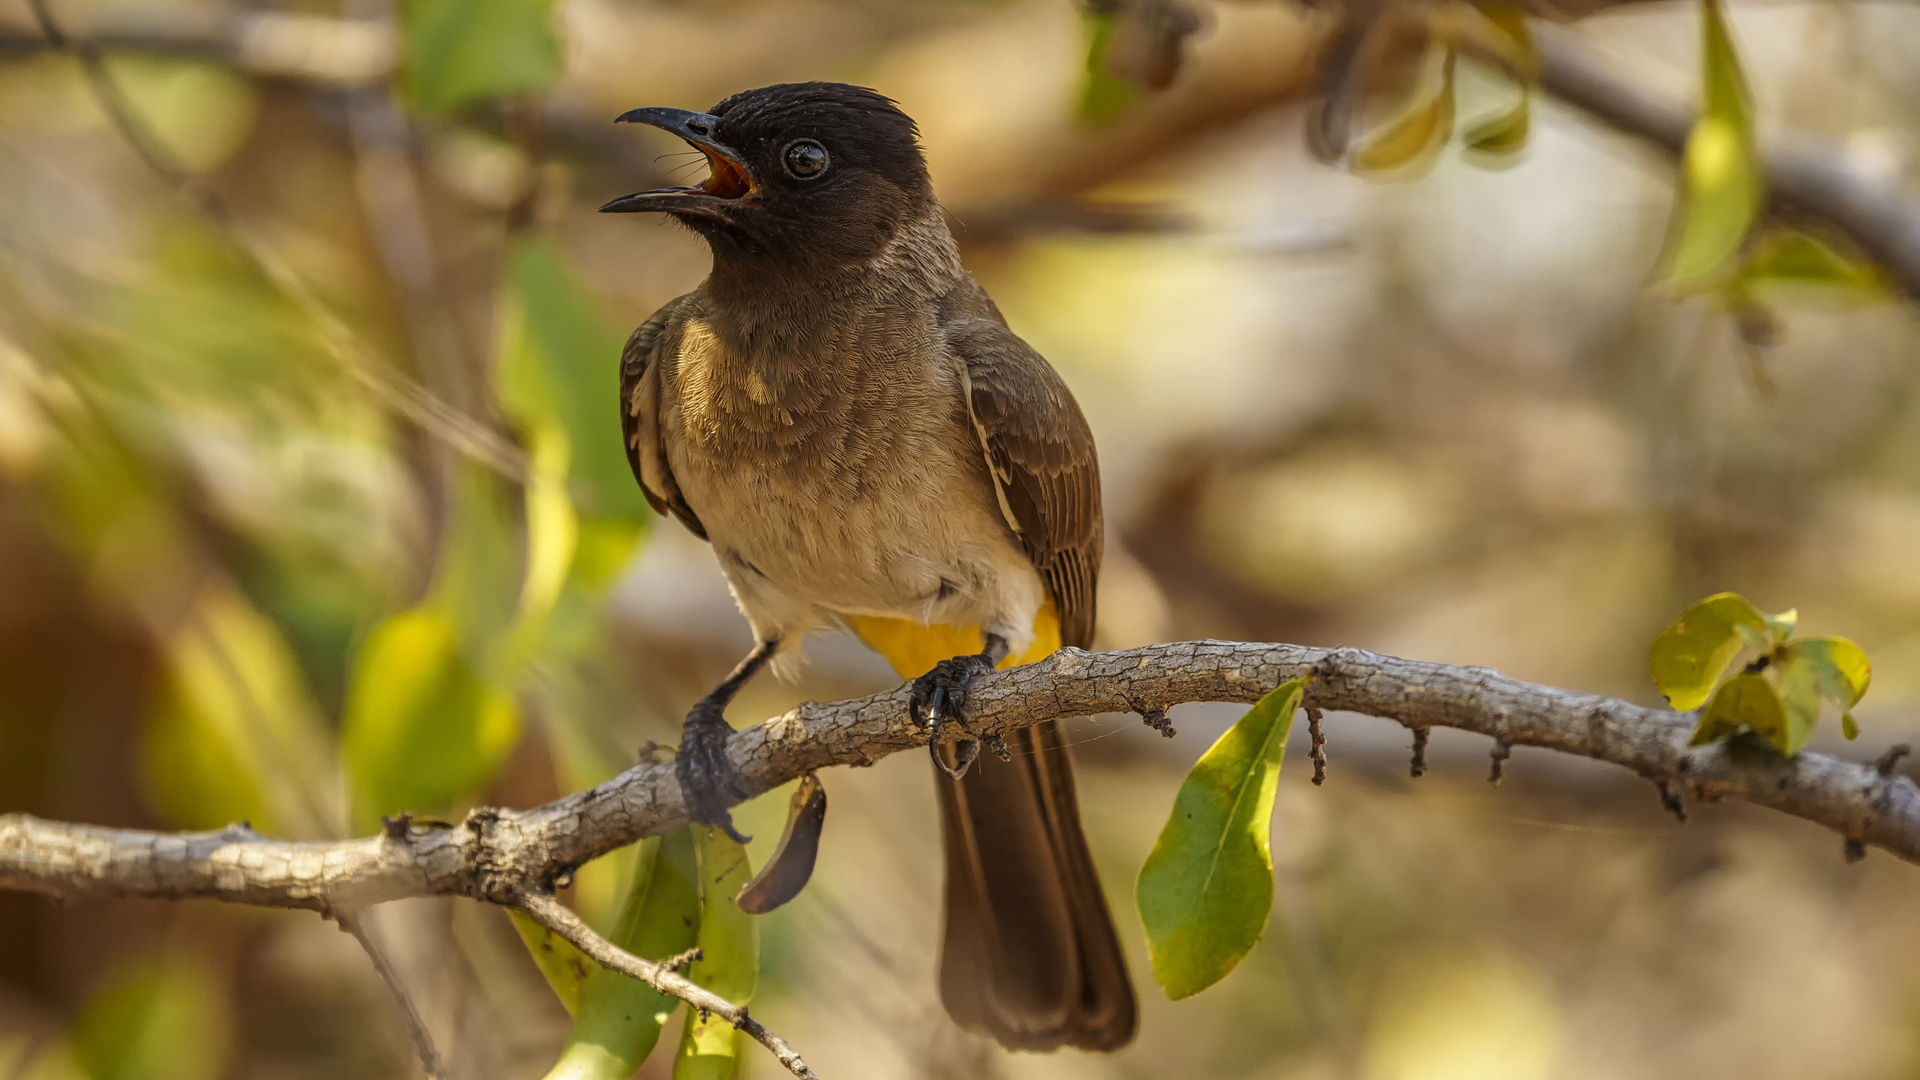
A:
1029, 954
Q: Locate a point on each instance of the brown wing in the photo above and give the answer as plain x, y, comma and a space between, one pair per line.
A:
640, 414
1041, 453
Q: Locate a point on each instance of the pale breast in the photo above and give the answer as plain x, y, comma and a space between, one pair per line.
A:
854, 487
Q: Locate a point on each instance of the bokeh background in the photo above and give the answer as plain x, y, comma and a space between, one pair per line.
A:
312, 508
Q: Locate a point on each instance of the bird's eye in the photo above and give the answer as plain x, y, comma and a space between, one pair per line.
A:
805, 159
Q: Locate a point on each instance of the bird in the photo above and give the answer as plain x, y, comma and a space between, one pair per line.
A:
843, 413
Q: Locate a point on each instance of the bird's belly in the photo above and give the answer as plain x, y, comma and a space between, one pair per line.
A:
922, 541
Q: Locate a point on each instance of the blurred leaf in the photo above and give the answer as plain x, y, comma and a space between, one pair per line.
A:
421, 728
560, 367
559, 960
1103, 96
1690, 656
1790, 257
235, 735
1724, 185
158, 1018
1797, 682
1842, 672
1411, 144
619, 1019
551, 528
1745, 701
730, 958
458, 51
474, 584
602, 548
1496, 142
1207, 887
1500, 139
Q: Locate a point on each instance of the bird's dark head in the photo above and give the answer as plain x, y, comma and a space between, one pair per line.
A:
809, 173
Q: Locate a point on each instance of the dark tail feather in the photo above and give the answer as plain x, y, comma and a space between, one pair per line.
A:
1030, 955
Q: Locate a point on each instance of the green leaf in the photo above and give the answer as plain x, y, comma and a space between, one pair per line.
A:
1495, 143
421, 729
560, 961
1411, 144
729, 963
1746, 701
560, 367
1793, 258
619, 1019
1842, 672
236, 735
1103, 95
1723, 183
454, 52
156, 1018
1206, 889
1690, 656
1797, 682
474, 584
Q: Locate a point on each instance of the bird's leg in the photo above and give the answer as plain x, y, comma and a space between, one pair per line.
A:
708, 781
941, 695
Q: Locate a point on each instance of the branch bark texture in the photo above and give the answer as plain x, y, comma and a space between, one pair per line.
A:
507, 856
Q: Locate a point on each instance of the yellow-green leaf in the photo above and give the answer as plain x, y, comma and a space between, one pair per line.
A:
155, 1018
1206, 889
236, 735
729, 963
1746, 701
454, 52
1688, 658
422, 729
1724, 187
1793, 258
1103, 95
561, 962
619, 1019
1843, 674
1412, 143
1797, 682
1497, 141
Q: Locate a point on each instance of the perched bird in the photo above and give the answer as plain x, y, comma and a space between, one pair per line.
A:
841, 410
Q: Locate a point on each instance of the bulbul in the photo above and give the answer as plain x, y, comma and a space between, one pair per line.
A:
842, 412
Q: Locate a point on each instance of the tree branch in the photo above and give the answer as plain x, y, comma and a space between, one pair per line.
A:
422, 1039
500, 856
511, 858
555, 916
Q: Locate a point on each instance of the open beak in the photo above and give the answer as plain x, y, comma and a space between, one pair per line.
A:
728, 182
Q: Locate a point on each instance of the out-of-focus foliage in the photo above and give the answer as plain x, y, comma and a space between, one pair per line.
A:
1205, 890
460, 51
155, 1018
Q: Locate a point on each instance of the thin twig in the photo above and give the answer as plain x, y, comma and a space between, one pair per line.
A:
1318, 755
430, 1061
556, 917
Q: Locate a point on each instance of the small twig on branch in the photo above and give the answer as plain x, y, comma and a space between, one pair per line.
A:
430, 1061
1497, 760
1318, 755
1670, 800
556, 917
1418, 768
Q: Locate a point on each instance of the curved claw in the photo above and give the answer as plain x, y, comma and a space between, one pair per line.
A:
708, 781
940, 696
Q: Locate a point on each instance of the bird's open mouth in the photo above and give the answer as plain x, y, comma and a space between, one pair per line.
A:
728, 179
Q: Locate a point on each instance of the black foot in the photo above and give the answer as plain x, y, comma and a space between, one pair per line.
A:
941, 695
708, 781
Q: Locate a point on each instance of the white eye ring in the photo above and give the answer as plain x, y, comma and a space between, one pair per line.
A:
805, 159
